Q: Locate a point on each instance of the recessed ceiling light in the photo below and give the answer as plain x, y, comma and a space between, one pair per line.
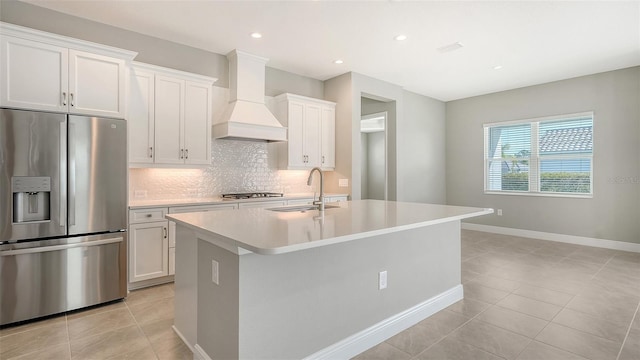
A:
256, 35
497, 67
451, 47
401, 37
338, 61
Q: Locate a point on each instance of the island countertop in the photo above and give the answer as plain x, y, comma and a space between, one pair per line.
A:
267, 232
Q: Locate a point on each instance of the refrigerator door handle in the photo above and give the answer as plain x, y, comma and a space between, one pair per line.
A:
63, 174
72, 173
34, 250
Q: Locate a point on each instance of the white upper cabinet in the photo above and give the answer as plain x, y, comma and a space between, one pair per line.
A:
197, 121
170, 117
141, 116
34, 75
169, 121
96, 84
311, 137
42, 71
328, 138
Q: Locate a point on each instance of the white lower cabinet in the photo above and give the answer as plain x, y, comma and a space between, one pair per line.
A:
148, 250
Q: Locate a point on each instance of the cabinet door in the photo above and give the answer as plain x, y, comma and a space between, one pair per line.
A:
96, 85
33, 75
141, 117
311, 138
328, 138
297, 158
148, 251
169, 102
197, 123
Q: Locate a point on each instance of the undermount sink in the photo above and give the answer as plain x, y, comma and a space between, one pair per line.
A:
301, 208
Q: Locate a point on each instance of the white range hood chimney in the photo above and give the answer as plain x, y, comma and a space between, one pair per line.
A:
246, 117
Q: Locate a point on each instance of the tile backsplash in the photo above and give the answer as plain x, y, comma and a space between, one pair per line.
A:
237, 166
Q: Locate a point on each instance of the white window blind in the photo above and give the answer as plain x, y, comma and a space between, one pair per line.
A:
546, 156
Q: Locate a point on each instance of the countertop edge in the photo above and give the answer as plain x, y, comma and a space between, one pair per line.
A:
330, 241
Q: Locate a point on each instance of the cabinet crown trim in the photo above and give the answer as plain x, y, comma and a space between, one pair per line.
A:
22, 32
289, 97
135, 65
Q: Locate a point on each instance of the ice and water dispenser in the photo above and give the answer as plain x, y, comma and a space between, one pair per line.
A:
31, 196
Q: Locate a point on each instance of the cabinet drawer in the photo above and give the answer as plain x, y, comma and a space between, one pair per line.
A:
146, 215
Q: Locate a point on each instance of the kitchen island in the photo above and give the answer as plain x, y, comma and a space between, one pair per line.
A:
258, 283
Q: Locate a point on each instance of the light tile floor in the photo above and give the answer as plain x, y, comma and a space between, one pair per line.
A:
531, 300
524, 299
137, 328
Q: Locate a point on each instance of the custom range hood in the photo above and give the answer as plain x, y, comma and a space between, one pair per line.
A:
246, 116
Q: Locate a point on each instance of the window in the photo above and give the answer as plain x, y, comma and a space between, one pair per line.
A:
547, 156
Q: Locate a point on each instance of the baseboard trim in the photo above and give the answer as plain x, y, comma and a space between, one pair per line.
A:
570, 239
200, 354
184, 340
148, 283
367, 338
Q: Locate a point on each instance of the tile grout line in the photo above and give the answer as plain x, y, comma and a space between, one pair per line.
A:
456, 329
141, 330
635, 315
531, 340
66, 323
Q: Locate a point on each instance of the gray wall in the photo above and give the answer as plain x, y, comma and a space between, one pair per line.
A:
416, 157
151, 50
374, 164
364, 180
421, 150
339, 90
614, 211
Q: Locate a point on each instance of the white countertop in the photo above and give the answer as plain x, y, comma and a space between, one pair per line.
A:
269, 232
146, 203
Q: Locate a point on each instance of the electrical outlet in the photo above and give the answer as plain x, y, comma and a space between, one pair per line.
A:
382, 280
140, 194
343, 182
499, 212
215, 274
192, 192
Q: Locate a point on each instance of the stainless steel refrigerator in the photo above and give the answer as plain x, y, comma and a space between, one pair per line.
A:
63, 199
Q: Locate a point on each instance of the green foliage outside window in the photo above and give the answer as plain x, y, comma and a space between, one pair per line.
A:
563, 182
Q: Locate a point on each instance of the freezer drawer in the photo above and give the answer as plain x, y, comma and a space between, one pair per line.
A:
47, 277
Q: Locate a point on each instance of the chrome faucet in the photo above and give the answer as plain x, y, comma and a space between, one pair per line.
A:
320, 201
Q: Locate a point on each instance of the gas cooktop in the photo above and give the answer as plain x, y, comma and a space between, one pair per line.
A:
250, 195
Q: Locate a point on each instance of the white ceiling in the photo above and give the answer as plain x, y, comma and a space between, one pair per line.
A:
534, 42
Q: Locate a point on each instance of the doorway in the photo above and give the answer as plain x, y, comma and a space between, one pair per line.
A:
373, 139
